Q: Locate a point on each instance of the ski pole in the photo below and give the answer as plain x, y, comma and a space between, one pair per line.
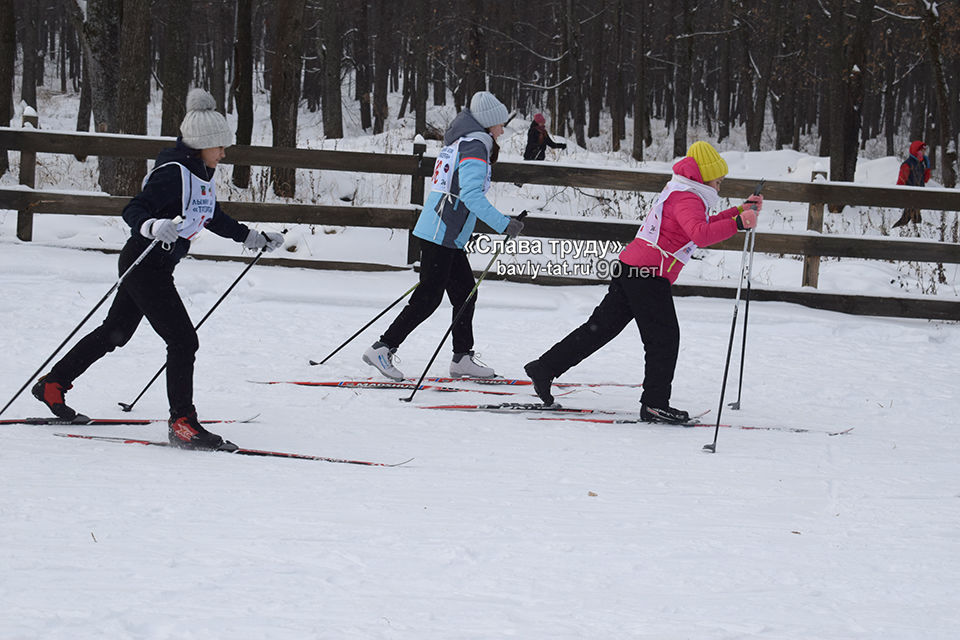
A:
115, 286
746, 319
712, 448
129, 407
457, 317
746, 309
364, 327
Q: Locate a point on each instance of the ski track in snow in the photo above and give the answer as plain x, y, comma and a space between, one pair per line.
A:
492, 531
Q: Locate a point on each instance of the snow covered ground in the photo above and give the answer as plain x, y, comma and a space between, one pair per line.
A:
500, 526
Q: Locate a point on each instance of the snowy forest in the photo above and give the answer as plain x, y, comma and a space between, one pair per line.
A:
827, 75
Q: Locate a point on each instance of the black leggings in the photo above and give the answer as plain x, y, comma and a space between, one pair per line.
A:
148, 291
441, 270
649, 302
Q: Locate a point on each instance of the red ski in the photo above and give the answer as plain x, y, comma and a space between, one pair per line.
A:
239, 452
86, 421
383, 384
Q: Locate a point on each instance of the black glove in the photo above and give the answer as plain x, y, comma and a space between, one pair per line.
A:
514, 227
563, 145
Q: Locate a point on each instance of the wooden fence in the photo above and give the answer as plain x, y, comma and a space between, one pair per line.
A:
812, 245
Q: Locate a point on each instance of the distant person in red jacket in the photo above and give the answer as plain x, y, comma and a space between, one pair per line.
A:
640, 291
914, 172
538, 140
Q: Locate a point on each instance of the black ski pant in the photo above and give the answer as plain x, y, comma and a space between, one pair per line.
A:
645, 300
442, 270
148, 291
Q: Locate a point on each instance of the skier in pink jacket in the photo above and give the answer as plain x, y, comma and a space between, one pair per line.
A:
640, 290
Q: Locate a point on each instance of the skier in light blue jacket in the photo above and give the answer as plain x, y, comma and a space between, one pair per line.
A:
461, 178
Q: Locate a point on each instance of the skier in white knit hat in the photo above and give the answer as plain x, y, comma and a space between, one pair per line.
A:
181, 184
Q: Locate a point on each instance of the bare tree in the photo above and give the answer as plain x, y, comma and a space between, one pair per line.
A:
285, 93
101, 40
243, 85
331, 54
933, 28
176, 60
8, 55
134, 76
31, 50
381, 65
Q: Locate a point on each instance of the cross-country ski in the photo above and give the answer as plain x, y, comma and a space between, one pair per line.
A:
84, 420
240, 451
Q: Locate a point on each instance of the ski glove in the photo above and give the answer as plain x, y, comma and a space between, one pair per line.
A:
754, 202
562, 146
746, 220
263, 240
162, 229
514, 227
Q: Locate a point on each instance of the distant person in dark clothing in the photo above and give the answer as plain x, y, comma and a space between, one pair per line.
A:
914, 172
538, 139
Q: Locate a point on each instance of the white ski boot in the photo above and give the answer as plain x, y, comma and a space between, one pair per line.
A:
381, 357
466, 365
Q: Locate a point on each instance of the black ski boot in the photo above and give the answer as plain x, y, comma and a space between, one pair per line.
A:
186, 432
52, 394
541, 381
665, 415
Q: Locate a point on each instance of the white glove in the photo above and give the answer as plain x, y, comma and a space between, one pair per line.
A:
162, 229
265, 240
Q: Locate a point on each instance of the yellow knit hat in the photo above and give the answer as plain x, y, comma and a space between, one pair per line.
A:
711, 165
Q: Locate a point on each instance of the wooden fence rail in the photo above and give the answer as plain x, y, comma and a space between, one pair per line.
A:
811, 245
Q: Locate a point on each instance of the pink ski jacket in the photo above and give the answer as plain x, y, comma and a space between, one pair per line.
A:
684, 220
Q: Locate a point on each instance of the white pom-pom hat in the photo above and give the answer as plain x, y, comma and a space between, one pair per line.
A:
204, 127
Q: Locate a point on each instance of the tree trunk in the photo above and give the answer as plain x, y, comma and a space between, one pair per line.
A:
723, 80
934, 38
640, 117
8, 56
361, 57
420, 64
684, 56
285, 95
31, 50
221, 33
101, 34
331, 53
381, 64
596, 74
134, 77
176, 58
243, 85
475, 74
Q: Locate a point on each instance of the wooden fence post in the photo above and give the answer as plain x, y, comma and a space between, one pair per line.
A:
811, 264
28, 177
416, 197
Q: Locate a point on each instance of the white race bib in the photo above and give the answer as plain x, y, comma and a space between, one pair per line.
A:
445, 166
198, 201
649, 231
